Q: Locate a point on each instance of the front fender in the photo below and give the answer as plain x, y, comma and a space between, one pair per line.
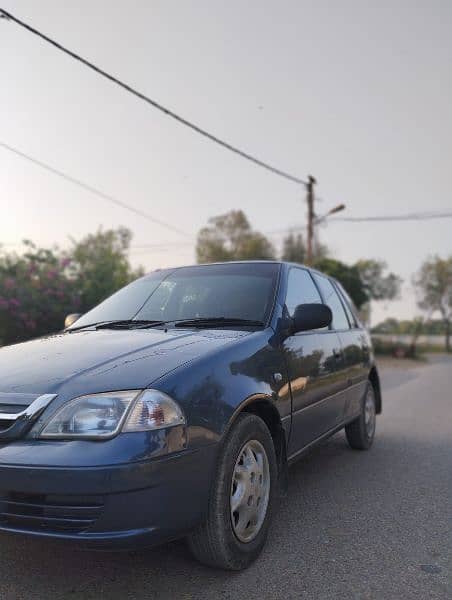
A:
213, 389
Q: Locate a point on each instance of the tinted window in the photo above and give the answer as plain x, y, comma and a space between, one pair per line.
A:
350, 305
332, 300
300, 290
244, 291
348, 310
125, 303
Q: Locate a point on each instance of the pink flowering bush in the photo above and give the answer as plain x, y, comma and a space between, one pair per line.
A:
40, 287
36, 292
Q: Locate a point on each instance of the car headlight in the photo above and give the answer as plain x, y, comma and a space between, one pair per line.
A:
153, 410
102, 416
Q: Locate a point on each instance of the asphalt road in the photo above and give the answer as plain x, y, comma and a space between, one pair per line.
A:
361, 525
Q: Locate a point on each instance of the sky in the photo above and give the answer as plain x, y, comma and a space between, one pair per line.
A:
357, 93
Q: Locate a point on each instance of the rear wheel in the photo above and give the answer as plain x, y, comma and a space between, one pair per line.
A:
242, 498
361, 432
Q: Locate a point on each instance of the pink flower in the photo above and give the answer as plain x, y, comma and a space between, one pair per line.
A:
9, 283
65, 262
14, 302
3, 303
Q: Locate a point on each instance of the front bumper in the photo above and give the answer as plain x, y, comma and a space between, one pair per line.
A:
113, 506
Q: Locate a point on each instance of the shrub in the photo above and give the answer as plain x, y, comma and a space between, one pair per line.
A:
395, 348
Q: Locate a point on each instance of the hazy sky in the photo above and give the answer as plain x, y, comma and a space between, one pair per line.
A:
358, 93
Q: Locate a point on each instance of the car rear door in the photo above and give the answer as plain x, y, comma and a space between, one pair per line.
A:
313, 361
356, 348
333, 348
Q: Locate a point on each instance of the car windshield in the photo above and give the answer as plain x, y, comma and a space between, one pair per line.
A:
231, 291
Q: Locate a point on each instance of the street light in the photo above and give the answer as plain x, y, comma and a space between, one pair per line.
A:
333, 211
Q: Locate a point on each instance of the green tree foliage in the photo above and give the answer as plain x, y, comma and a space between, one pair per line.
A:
364, 281
101, 265
409, 326
41, 286
434, 287
378, 285
230, 237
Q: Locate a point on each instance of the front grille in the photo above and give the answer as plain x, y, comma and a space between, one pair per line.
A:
12, 409
50, 513
18, 412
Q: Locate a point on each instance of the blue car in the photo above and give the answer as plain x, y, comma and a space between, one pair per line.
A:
175, 407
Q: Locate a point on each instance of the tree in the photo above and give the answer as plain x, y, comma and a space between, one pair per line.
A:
100, 265
294, 249
230, 237
364, 281
389, 325
378, 286
348, 275
434, 286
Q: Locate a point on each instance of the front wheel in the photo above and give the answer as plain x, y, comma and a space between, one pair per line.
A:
361, 432
242, 498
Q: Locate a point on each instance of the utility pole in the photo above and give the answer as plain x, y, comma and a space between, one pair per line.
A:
313, 219
310, 201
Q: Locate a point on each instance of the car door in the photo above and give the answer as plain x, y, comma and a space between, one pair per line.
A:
313, 368
339, 325
356, 348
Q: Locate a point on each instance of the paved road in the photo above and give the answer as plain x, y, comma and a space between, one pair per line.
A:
354, 525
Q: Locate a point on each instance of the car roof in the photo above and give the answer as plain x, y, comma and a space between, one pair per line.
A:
246, 262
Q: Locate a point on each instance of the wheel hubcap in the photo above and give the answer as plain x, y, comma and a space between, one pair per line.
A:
369, 414
250, 491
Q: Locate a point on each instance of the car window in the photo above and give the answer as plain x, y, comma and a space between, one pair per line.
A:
235, 290
332, 300
124, 303
300, 290
348, 310
349, 304
236, 296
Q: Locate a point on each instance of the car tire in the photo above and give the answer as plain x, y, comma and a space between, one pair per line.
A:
246, 480
361, 432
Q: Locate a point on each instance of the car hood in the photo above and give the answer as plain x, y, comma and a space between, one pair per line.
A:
104, 360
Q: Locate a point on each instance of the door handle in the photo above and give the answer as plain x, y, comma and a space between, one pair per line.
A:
337, 353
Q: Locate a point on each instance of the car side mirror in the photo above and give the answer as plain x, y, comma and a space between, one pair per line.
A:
311, 316
71, 319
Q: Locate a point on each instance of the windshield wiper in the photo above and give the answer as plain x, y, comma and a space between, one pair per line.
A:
126, 323
145, 323
218, 322
120, 323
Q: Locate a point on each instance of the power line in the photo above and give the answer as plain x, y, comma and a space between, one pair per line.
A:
289, 230
299, 228
408, 217
154, 103
93, 190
